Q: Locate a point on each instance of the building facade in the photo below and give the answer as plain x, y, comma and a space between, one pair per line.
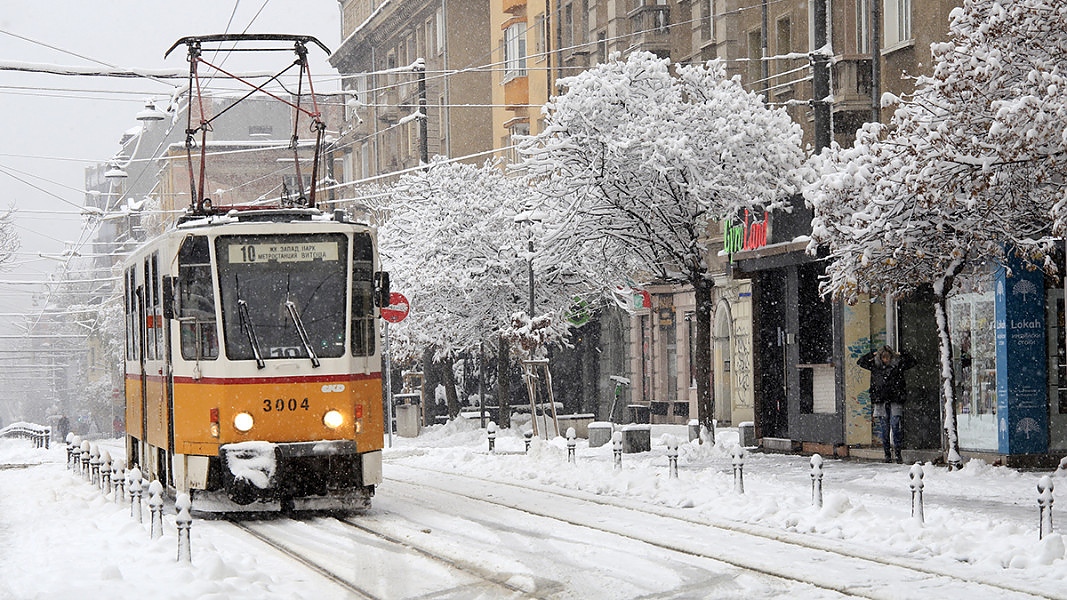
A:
379, 62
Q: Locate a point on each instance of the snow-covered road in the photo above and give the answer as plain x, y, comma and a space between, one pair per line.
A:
454, 521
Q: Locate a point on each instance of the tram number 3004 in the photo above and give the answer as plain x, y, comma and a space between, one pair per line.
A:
281, 404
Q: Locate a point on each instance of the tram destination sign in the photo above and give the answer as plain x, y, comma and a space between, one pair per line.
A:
283, 253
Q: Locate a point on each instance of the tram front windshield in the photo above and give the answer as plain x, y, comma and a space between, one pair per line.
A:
283, 296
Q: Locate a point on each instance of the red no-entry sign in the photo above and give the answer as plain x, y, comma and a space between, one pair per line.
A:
397, 309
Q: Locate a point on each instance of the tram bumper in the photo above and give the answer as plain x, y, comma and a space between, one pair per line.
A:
321, 475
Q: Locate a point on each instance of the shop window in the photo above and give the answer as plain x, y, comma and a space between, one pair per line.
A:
974, 361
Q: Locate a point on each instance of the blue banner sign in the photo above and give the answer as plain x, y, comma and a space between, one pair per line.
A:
1022, 402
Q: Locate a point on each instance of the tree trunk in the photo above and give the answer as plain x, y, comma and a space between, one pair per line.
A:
503, 383
702, 359
448, 378
948, 375
948, 385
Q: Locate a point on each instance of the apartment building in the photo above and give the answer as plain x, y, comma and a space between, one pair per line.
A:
378, 60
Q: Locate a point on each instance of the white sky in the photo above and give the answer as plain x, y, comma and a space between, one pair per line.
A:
50, 136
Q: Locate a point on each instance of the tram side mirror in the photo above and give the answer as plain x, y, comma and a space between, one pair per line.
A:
168, 297
381, 288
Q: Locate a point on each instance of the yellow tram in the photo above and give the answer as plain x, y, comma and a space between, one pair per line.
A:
253, 372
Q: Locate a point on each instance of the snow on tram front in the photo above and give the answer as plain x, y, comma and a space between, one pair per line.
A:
253, 374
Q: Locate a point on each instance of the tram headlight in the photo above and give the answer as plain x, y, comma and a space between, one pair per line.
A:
243, 422
333, 419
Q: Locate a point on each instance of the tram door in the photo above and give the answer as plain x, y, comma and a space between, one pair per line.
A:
154, 374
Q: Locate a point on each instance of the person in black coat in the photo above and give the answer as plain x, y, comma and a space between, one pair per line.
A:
887, 394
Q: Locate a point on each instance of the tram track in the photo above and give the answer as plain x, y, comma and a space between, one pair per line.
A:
908, 571
276, 534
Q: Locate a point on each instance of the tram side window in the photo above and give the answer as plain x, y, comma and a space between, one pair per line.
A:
364, 325
196, 313
132, 330
149, 302
157, 308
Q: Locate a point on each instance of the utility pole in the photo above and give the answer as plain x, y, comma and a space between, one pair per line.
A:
820, 63
424, 141
876, 60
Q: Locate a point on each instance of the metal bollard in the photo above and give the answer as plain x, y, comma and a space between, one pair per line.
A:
528, 437
184, 520
73, 442
94, 464
118, 479
136, 487
85, 458
616, 449
105, 471
916, 474
155, 508
571, 442
490, 432
816, 480
1044, 501
739, 469
672, 457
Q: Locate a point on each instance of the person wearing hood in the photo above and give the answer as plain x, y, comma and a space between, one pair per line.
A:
887, 394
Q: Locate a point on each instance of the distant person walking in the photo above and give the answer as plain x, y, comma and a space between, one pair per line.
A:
887, 394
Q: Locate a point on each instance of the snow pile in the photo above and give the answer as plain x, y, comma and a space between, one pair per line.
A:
254, 462
984, 516
62, 538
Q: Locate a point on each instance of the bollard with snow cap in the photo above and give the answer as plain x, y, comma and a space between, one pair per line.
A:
528, 438
739, 469
672, 457
73, 442
155, 508
118, 479
571, 442
1044, 501
816, 480
916, 474
490, 432
136, 488
183, 521
84, 457
616, 449
94, 464
105, 471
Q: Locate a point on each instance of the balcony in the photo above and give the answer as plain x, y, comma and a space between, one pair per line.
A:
514, 7
651, 26
517, 92
852, 83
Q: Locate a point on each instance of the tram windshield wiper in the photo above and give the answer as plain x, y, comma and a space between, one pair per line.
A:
250, 331
302, 332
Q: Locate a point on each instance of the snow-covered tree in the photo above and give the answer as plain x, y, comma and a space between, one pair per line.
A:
9, 239
457, 244
637, 160
967, 171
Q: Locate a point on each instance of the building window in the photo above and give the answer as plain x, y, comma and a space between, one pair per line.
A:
783, 42
516, 131
260, 130
897, 22
863, 26
602, 47
540, 37
755, 55
515, 51
440, 32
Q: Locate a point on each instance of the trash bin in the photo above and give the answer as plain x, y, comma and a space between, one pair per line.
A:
407, 414
599, 433
746, 434
640, 413
636, 438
